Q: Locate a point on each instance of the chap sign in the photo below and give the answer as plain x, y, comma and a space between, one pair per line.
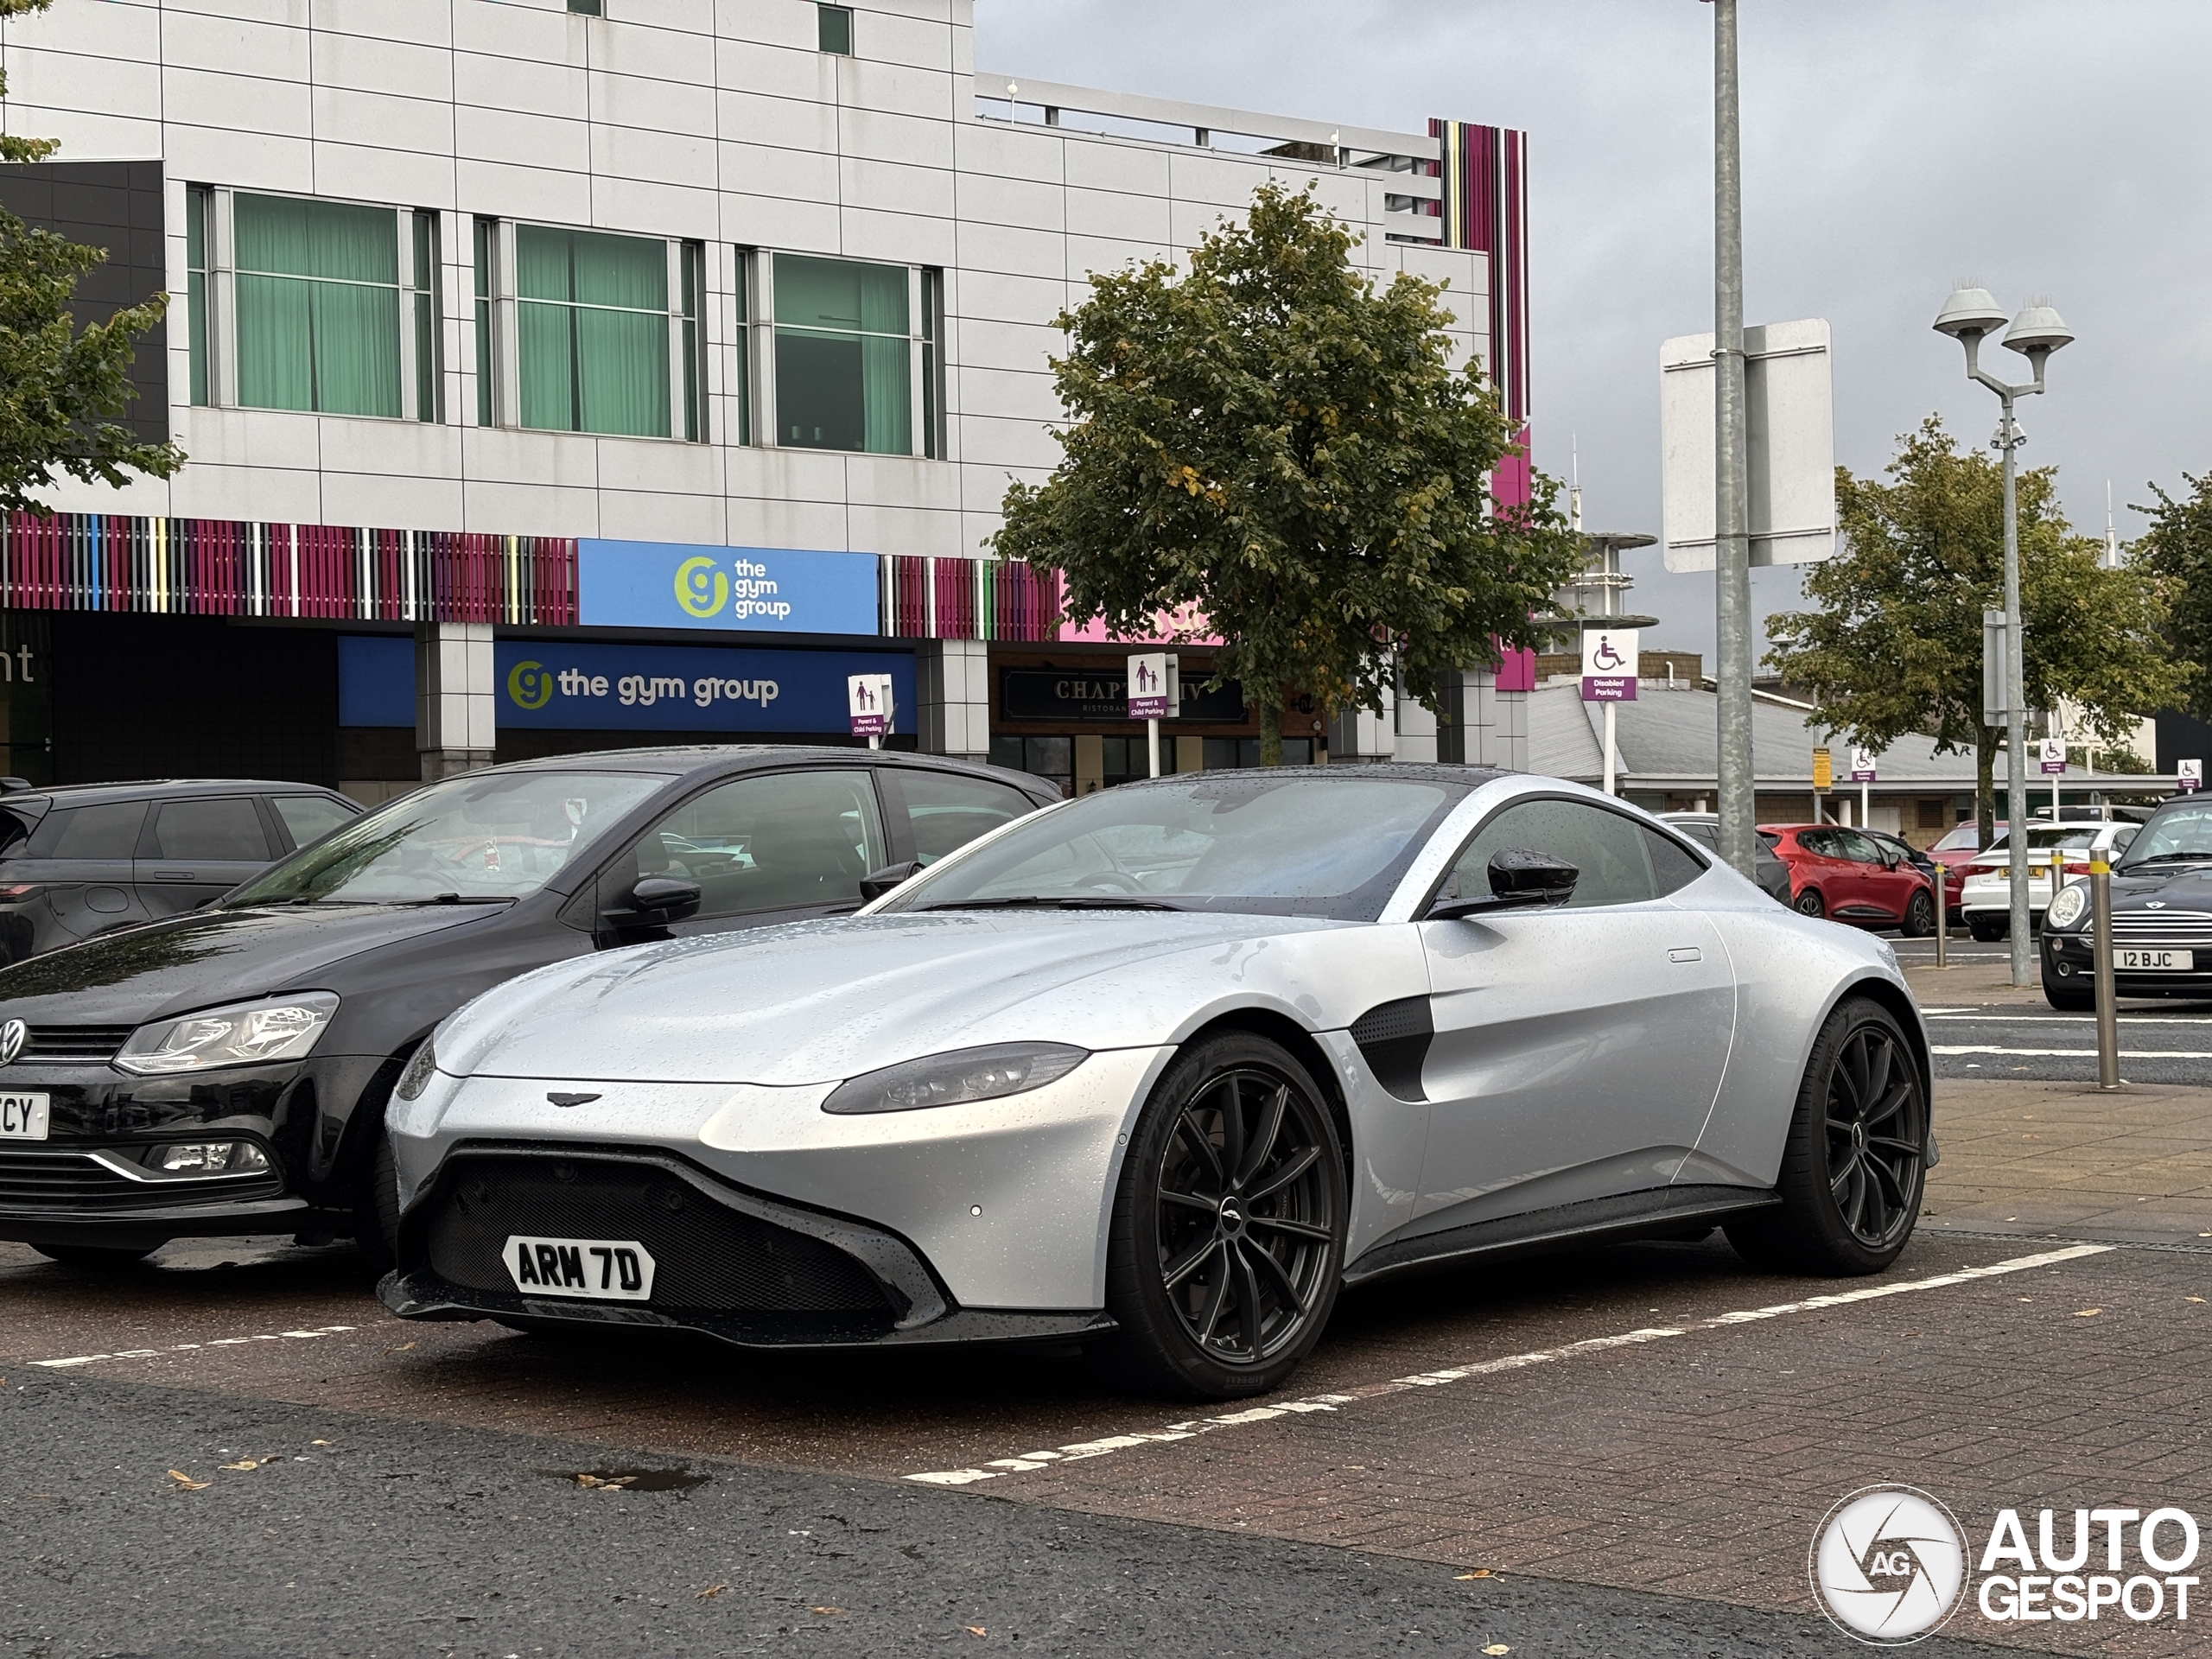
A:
1608, 664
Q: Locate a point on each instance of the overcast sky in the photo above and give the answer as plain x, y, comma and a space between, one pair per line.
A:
2052, 147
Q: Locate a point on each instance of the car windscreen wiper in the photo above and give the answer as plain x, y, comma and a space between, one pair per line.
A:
400, 904
2169, 858
1035, 902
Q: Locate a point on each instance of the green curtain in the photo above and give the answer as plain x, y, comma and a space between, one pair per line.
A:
593, 331
843, 298
318, 306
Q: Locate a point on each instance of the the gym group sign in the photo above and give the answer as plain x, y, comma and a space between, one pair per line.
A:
754, 589
551, 685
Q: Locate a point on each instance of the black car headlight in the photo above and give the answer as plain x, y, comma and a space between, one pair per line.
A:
956, 1077
245, 1033
2067, 907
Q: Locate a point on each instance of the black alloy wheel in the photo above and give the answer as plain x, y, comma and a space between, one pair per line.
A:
1809, 903
1855, 1164
1919, 916
1229, 1223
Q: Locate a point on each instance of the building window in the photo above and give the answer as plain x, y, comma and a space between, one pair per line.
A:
317, 306
844, 356
835, 24
933, 365
741, 387
429, 329
197, 201
488, 362
694, 263
592, 331
588, 8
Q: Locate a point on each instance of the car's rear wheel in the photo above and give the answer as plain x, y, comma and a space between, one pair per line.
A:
1853, 1167
1229, 1223
1809, 903
1987, 927
1919, 916
106, 1256
376, 1207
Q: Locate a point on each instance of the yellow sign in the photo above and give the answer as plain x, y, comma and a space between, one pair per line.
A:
1823, 770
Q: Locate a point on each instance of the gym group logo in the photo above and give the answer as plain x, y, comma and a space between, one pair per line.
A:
1889, 1564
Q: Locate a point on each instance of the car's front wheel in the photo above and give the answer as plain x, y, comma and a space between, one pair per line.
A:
1229, 1223
1919, 916
1853, 1167
2069, 995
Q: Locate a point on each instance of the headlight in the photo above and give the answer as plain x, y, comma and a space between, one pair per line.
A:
249, 1034
2067, 908
965, 1074
417, 1077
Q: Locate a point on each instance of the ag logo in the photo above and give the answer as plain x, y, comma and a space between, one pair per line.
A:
12, 1037
530, 684
1889, 1564
701, 589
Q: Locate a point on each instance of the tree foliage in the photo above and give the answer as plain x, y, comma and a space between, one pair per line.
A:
61, 388
1896, 645
2177, 550
1272, 440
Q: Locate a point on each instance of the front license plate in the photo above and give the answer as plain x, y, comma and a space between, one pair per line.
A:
599, 1270
2170, 961
23, 1117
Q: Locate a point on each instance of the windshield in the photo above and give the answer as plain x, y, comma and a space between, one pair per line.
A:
2179, 833
2042, 838
1966, 838
1271, 842
488, 836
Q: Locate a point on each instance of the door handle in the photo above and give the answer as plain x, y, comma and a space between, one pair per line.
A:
1686, 953
175, 876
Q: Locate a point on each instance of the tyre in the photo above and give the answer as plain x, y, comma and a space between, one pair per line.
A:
376, 1208
1853, 1167
1229, 1223
102, 1256
2069, 995
1919, 916
1986, 928
1809, 903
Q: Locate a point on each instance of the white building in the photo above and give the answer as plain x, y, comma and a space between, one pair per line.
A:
547, 333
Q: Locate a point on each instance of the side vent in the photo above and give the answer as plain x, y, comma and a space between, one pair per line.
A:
1393, 1038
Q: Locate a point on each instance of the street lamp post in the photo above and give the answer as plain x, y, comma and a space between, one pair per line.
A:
1969, 314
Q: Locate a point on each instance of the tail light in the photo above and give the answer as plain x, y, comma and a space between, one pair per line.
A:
2075, 869
16, 891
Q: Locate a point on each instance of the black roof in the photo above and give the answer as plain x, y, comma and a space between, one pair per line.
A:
153, 789
688, 759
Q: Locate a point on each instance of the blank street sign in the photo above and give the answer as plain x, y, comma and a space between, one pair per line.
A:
1791, 411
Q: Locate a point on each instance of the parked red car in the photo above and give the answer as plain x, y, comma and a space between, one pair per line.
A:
1850, 877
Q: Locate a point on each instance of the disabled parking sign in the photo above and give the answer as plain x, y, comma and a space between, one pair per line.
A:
1608, 664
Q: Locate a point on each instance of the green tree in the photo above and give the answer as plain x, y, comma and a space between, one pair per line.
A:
2177, 550
1272, 440
61, 388
1896, 645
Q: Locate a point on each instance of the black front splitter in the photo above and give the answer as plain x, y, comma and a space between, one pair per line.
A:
425, 1295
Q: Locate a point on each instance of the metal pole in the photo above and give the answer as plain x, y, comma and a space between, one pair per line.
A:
2108, 1016
1152, 737
1939, 881
1731, 550
1611, 764
1866, 814
2016, 718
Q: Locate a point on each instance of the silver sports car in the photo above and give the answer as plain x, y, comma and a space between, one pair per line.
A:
1161, 1070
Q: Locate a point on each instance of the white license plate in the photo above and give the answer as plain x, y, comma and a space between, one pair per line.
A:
599, 1270
23, 1117
2171, 960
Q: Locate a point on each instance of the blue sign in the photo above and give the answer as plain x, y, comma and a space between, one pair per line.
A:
688, 688
375, 679
678, 585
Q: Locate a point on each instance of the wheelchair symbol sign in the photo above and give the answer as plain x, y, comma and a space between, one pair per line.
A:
1609, 658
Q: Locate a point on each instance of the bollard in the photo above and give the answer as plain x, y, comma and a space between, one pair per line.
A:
1942, 926
2108, 1016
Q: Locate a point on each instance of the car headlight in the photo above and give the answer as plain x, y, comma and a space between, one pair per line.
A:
247, 1034
420, 1065
953, 1078
2068, 906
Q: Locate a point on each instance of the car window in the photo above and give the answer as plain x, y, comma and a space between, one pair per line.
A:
1856, 847
1706, 835
1966, 838
226, 827
110, 831
946, 811
310, 817
1820, 843
1673, 865
775, 840
2121, 837
1611, 853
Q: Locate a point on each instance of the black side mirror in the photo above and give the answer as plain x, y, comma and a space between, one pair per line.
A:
876, 883
1520, 879
657, 900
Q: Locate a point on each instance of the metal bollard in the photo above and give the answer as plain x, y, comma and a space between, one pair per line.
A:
2108, 1014
1943, 935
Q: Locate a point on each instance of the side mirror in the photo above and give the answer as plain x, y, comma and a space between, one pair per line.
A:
657, 900
1520, 879
876, 883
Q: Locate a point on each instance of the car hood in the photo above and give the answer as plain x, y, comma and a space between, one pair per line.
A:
2172, 886
814, 1001
208, 958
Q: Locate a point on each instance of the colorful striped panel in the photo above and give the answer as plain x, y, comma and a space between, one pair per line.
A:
1486, 209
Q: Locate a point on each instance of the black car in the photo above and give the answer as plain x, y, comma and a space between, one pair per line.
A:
2161, 917
1704, 828
91, 858
226, 1070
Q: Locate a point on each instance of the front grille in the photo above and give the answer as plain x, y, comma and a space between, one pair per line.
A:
707, 1257
65, 1183
66, 1045
2180, 929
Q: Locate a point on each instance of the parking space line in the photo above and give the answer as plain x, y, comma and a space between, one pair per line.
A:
999, 1468
2069, 1053
186, 1347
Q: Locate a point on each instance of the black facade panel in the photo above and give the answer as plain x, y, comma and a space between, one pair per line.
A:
2181, 738
117, 206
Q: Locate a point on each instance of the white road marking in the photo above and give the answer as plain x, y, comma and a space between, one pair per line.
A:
2072, 1054
181, 1347
998, 1468
2083, 1019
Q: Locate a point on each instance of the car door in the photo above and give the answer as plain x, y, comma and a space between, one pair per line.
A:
1879, 888
933, 813
85, 863
1577, 1050
199, 849
1836, 877
765, 847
